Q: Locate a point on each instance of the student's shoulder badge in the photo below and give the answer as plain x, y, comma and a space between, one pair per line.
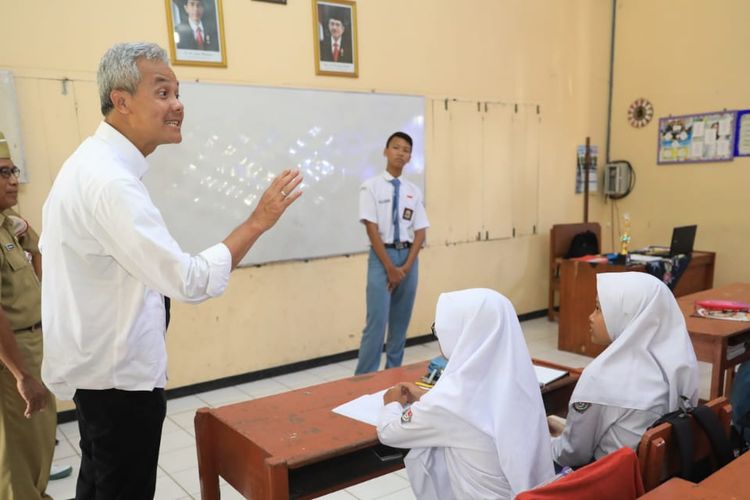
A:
406, 415
581, 407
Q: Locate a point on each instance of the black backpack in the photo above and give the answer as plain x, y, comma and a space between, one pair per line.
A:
682, 432
585, 243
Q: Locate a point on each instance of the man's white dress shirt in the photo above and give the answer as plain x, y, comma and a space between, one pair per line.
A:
107, 259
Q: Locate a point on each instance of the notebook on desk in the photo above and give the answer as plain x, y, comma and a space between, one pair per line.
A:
683, 238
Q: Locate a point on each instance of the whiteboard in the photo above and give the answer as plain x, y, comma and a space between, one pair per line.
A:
10, 124
237, 138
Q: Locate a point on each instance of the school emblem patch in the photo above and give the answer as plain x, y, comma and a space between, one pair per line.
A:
10, 246
581, 407
406, 416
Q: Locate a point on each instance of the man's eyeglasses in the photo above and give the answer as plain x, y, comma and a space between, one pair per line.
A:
6, 172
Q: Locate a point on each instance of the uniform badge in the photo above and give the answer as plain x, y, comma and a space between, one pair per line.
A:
581, 407
406, 415
408, 212
10, 246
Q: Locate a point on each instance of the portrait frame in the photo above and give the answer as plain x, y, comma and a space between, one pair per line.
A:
340, 58
183, 48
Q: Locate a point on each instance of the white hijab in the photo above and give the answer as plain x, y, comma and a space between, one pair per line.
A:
650, 358
489, 382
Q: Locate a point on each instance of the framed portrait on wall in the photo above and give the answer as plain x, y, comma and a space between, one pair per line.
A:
335, 37
196, 32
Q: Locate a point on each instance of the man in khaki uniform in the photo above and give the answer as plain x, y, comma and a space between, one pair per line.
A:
27, 412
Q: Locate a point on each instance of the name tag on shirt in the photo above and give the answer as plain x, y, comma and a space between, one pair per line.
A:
408, 212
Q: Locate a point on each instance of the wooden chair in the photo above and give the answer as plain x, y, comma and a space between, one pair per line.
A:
560, 237
658, 455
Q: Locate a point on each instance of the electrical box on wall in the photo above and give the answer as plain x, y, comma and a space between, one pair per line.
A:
619, 179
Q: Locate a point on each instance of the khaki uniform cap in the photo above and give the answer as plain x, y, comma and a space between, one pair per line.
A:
4, 149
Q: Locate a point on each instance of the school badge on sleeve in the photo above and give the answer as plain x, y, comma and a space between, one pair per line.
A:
581, 407
406, 416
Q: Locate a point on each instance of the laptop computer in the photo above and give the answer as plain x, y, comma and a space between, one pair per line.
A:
683, 239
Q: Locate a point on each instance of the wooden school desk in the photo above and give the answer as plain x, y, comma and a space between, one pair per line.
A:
578, 296
680, 489
730, 482
732, 479
292, 445
711, 337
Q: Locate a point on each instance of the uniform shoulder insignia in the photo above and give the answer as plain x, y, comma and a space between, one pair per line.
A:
406, 415
581, 407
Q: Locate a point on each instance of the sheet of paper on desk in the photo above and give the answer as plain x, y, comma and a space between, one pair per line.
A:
546, 375
365, 408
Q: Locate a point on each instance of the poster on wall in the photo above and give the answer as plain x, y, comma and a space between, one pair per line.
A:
742, 133
580, 168
704, 137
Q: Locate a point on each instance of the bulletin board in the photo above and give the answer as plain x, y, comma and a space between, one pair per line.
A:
703, 137
742, 133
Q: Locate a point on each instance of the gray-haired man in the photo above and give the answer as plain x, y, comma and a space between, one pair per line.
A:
110, 261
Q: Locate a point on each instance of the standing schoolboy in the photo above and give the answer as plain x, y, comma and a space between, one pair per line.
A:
393, 214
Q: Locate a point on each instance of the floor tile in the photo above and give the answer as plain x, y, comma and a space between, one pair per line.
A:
405, 494
189, 480
168, 489
298, 380
262, 388
178, 460
333, 371
70, 430
338, 495
176, 440
221, 397
66, 487
378, 487
229, 493
64, 450
169, 426
184, 421
183, 404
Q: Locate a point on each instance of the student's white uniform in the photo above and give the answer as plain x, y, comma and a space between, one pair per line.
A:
480, 433
642, 374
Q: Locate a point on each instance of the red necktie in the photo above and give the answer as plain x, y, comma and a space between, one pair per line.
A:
199, 38
335, 51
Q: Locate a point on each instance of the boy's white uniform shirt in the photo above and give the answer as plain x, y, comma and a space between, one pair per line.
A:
481, 431
642, 374
376, 205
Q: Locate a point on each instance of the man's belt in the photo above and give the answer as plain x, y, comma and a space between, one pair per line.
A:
399, 245
32, 328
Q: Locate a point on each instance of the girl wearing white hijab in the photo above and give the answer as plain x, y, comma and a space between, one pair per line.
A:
480, 432
648, 367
